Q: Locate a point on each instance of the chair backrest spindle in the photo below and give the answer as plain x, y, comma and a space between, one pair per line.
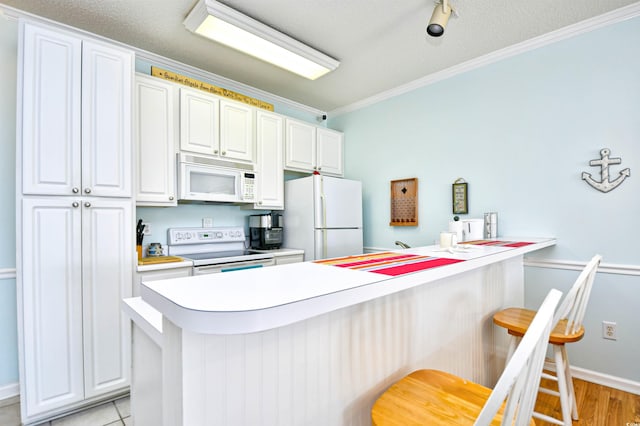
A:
574, 305
521, 377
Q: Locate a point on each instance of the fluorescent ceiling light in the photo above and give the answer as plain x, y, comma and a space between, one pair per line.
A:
225, 25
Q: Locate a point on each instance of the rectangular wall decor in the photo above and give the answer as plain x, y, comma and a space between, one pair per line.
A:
404, 202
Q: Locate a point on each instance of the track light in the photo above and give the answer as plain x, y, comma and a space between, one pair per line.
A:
439, 19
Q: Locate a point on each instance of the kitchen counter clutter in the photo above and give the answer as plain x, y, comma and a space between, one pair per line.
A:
315, 343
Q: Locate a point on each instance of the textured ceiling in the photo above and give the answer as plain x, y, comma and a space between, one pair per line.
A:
381, 44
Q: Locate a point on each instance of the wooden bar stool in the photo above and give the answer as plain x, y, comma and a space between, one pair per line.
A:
567, 328
431, 397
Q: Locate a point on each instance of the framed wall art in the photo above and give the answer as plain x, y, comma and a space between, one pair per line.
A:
460, 197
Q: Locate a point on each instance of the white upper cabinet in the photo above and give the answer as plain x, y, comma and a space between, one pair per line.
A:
199, 122
310, 148
156, 133
51, 112
300, 152
236, 130
76, 115
329, 151
270, 158
216, 127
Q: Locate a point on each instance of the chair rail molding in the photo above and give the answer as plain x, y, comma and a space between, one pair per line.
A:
7, 273
604, 268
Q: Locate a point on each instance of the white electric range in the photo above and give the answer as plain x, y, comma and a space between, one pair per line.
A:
213, 250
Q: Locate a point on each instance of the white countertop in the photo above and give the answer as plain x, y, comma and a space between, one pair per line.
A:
254, 300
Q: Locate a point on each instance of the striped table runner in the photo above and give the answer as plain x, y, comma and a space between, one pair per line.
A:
389, 263
495, 243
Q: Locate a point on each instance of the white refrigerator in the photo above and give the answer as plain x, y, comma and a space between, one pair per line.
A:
323, 216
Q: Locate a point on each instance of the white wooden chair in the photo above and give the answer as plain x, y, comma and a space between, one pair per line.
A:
567, 328
430, 397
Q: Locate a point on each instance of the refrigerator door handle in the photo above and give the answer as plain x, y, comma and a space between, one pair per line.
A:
323, 210
324, 244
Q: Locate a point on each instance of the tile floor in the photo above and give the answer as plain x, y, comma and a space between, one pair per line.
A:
114, 413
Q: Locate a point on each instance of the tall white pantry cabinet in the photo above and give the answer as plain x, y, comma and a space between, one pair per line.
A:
75, 238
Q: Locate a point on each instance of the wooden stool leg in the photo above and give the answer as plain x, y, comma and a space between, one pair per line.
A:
565, 405
572, 392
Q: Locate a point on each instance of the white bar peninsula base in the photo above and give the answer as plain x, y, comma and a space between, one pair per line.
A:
309, 344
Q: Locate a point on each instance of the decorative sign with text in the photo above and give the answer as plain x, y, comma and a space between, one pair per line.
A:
210, 88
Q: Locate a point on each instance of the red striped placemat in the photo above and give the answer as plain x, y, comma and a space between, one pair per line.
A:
389, 263
497, 243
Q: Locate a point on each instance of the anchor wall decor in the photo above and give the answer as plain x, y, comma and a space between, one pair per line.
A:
605, 184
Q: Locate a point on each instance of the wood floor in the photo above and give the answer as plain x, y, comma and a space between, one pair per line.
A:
597, 405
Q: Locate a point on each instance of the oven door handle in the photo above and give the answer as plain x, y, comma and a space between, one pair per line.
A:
239, 268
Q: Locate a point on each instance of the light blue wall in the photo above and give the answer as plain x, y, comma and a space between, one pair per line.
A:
521, 131
8, 324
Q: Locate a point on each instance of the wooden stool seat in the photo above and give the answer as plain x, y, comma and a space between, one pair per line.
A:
517, 320
432, 397
567, 328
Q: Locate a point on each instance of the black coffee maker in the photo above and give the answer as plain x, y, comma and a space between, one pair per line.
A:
265, 231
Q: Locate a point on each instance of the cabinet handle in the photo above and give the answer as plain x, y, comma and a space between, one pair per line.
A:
75, 204
75, 190
87, 204
171, 198
224, 152
215, 151
87, 190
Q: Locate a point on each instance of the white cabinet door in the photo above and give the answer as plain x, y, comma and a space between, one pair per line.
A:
50, 289
76, 115
270, 146
199, 122
107, 272
107, 78
156, 124
51, 136
300, 152
309, 148
236, 131
329, 151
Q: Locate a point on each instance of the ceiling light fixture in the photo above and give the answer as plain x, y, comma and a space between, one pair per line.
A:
218, 22
439, 18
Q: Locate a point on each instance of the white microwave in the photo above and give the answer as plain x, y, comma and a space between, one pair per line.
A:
208, 179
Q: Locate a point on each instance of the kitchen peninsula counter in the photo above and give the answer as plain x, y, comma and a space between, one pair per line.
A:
315, 344
260, 299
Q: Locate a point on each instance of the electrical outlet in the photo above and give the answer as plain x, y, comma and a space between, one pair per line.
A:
207, 222
609, 330
147, 229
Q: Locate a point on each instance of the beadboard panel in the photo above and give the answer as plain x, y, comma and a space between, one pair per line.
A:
328, 370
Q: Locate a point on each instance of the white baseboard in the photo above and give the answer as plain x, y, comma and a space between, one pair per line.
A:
603, 379
9, 394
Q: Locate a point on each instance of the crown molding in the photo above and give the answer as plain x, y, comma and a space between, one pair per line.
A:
15, 14
591, 24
